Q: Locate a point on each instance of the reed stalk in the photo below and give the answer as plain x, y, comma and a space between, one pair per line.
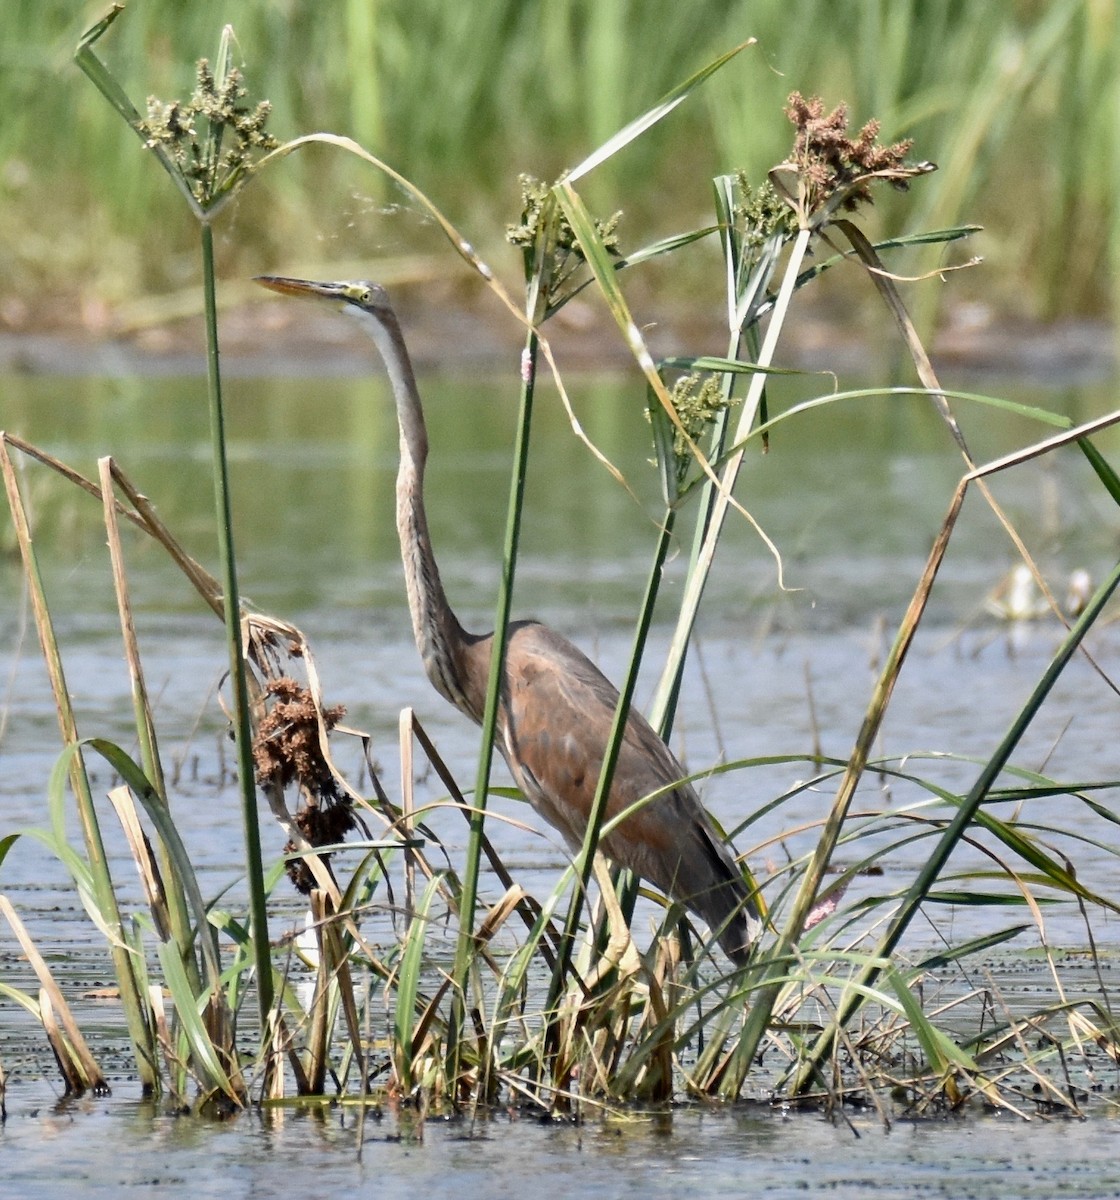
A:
135, 1007
231, 602
212, 180
714, 513
585, 860
748, 282
466, 943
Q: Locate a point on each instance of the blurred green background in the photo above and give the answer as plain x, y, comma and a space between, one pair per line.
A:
1018, 101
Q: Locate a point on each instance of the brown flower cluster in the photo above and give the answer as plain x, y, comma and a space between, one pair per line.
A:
321, 825
287, 748
829, 162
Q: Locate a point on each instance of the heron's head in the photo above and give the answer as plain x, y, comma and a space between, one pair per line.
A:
358, 297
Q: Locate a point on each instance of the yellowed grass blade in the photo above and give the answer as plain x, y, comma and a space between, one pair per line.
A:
150, 877
51, 1001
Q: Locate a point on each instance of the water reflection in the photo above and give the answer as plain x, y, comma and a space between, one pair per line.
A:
111, 1146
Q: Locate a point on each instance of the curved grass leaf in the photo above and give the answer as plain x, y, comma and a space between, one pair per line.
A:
206, 1062
6, 843
142, 788
105, 82
979, 945
942, 1053
22, 998
649, 118
405, 1009
732, 366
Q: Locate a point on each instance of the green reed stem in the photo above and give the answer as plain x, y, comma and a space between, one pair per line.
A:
598, 812
231, 601
701, 567
464, 949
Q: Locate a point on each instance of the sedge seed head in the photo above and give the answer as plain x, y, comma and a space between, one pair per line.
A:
830, 161
194, 132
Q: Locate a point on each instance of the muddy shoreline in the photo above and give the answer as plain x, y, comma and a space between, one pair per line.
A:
278, 338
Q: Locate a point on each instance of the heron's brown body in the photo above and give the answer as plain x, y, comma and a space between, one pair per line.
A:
556, 707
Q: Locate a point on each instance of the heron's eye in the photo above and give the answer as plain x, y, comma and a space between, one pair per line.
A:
366, 296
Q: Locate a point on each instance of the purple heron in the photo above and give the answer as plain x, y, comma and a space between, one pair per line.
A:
556, 707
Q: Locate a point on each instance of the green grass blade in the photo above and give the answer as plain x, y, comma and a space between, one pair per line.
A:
649, 118
98, 73
975, 946
586, 857
102, 78
160, 817
1101, 466
731, 366
405, 1009
967, 812
941, 1052
6, 843
24, 999
204, 1056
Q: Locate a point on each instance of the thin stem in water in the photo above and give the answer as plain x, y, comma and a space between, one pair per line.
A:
464, 950
254, 870
698, 574
606, 772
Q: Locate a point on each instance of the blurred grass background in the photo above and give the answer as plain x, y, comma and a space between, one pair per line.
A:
1018, 101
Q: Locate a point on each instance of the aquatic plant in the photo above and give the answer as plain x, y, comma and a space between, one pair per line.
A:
582, 1009
989, 91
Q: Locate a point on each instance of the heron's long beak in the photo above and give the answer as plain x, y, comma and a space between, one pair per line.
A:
302, 287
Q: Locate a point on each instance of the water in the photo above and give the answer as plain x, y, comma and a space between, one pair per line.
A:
853, 498
690, 1154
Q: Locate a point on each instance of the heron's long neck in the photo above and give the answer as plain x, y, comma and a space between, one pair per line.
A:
439, 636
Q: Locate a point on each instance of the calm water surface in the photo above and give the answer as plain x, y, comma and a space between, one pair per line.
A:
112, 1149
853, 498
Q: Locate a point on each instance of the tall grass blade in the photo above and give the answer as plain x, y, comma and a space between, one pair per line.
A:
586, 857
178, 921
767, 996
207, 1064
77, 1063
710, 526
404, 1047
964, 816
101, 882
157, 811
649, 118
743, 297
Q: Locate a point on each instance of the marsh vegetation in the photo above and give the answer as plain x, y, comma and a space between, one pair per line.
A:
462, 102
553, 999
